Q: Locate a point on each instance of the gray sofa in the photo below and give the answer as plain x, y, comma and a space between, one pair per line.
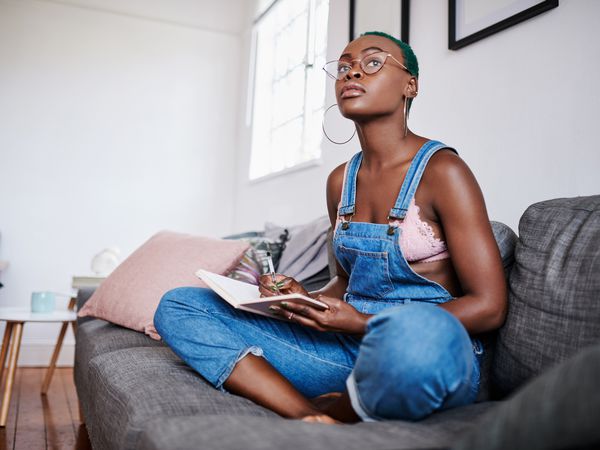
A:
540, 379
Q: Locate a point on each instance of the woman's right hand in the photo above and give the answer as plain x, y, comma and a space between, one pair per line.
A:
282, 285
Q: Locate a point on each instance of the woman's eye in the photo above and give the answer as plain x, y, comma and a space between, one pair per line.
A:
343, 69
373, 63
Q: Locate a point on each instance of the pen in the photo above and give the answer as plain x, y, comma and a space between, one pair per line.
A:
276, 284
272, 270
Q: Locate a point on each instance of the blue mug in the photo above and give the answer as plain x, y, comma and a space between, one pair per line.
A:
42, 302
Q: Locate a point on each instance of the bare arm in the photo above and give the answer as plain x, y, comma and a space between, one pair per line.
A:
337, 286
461, 209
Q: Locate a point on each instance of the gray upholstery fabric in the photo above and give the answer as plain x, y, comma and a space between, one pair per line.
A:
135, 385
253, 433
506, 240
554, 297
97, 337
557, 410
83, 295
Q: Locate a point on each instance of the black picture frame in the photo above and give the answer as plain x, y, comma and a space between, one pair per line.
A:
525, 14
404, 19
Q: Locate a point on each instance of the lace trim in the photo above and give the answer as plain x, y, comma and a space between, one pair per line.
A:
426, 230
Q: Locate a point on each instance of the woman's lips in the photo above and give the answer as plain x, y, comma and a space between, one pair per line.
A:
352, 92
352, 89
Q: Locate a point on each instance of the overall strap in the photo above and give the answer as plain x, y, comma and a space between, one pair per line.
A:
413, 177
349, 190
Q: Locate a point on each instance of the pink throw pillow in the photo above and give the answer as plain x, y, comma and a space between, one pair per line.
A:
130, 295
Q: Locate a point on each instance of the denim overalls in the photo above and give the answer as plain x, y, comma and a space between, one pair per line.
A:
379, 275
414, 359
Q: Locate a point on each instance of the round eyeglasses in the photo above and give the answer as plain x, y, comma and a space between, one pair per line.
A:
369, 64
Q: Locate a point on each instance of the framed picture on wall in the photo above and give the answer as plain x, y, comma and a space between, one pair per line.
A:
389, 16
472, 20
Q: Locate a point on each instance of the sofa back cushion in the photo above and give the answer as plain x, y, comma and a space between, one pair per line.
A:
554, 290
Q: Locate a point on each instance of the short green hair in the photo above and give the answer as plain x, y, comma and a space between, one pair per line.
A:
410, 59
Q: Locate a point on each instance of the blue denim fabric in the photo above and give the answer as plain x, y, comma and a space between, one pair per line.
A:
380, 279
211, 336
414, 359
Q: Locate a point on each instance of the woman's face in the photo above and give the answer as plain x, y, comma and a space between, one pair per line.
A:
362, 96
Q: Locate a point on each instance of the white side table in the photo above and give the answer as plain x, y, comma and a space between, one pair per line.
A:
15, 318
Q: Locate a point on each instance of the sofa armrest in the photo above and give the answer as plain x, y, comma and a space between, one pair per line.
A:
83, 295
557, 409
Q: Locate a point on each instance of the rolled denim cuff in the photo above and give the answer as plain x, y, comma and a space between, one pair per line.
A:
357, 405
257, 351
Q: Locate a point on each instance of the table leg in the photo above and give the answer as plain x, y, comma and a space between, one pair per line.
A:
4, 351
12, 366
52, 366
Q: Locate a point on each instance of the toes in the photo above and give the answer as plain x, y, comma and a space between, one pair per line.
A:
321, 418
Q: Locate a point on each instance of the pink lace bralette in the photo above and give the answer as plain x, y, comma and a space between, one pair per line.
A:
417, 240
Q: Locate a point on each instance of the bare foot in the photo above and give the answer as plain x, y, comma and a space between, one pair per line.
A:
335, 406
321, 418
323, 402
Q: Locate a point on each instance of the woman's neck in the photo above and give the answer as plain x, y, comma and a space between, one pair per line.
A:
383, 143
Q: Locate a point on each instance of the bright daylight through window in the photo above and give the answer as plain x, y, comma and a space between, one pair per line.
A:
289, 85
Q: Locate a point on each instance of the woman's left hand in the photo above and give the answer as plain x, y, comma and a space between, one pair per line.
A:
339, 317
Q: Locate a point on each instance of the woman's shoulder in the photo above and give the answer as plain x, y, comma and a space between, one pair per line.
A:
335, 181
447, 171
337, 174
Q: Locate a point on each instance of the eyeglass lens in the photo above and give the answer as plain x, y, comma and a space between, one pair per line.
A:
370, 64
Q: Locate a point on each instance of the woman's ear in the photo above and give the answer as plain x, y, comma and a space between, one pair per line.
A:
412, 88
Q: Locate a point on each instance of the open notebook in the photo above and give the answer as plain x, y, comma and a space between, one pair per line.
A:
247, 296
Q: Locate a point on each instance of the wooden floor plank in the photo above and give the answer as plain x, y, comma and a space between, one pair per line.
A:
31, 430
7, 434
65, 379
60, 432
51, 422
82, 438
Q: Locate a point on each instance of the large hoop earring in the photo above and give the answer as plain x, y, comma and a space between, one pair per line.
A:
405, 116
325, 132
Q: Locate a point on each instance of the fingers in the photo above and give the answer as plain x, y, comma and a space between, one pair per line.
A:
268, 288
295, 317
281, 286
303, 310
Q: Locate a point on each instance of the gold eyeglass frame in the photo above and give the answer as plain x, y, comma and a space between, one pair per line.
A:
360, 60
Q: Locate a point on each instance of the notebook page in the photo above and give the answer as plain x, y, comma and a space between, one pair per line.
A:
234, 291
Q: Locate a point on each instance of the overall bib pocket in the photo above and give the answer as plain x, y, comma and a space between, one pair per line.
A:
369, 272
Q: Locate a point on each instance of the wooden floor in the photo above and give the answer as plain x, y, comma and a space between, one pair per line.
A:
43, 422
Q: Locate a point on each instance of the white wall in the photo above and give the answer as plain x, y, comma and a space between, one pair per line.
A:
117, 119
520, 106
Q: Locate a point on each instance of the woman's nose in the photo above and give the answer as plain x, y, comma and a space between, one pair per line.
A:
354, 73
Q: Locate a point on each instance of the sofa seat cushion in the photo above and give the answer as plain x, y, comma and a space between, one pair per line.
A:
96, 337
236, 432
135, 385
554, 295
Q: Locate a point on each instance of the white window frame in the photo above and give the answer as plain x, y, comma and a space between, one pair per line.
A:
310, 144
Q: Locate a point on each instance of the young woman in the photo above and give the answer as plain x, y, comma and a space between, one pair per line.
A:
419, 273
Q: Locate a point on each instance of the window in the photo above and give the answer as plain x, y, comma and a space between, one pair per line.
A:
290, 41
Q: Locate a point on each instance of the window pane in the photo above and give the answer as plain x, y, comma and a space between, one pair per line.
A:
288, 93
287, 142
288, 97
